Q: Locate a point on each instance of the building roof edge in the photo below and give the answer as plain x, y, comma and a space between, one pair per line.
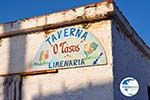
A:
130, 32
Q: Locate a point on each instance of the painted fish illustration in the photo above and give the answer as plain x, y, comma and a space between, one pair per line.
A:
90, 48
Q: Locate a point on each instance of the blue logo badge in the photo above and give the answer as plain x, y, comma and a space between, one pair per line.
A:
129, 86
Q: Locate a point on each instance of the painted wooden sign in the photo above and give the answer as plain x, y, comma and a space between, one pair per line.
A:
69, 47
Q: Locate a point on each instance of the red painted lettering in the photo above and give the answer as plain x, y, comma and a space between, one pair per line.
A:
68, 49
55, 49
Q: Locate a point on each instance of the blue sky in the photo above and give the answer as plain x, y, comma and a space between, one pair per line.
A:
136, 11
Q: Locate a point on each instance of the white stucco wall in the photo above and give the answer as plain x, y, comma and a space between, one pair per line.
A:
91, 83
76, 84
86, 83
129, 61
17, 52
20, 40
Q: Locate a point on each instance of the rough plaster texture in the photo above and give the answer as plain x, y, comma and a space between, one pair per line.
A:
18, 52
85, 12
69, 84
80, 83
128, 61
90, 83
20, 40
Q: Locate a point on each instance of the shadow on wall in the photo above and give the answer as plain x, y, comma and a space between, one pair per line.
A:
91, 92
17, 51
